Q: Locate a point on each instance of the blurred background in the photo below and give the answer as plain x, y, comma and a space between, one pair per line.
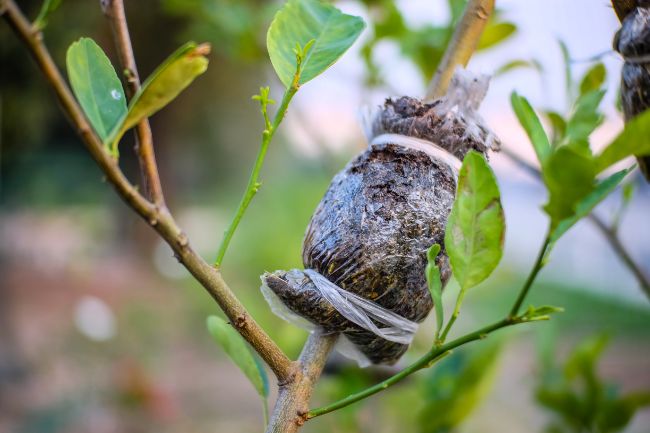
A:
101, 330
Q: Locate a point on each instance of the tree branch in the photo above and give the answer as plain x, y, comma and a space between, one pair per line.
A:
292, 405
432, 356
462, 45
623, 7
114, 11
159, 218
440, 350
253, 181
608, 232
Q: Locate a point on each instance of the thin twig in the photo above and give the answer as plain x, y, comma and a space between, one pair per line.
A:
462, 45
114, 11
430, 358
539, 264
616, 244
292, 405
439, 351
607, 231
159, 218
253, 181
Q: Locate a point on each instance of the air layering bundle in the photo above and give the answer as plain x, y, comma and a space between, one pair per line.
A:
365, 248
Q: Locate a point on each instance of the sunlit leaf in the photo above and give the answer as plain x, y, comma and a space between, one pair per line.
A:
588, 203
531, 124
233, 344
593, 79
634, 140
495, 34
517, 64
301, 21
476, 226
47, 8
558, 123
628, 193
163, 85
435, 283
534, 314
96, 86
584, 118
569, 175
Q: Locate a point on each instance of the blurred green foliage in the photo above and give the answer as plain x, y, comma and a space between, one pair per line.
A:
580, 399
236, 27
454, 388
424, 45
46, 165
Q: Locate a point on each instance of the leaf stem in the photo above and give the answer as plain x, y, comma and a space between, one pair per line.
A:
253, 181
539, 264
430, 358
454, 316
440, 350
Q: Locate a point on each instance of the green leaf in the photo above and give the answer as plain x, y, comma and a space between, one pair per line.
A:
458, 385
569, 175
584, 118
559, 125
301, 21
96, 86
162, 86
628, 193
617, 414
476, 225
593, 79
495, 34
588, 203
435, 283
456, 7
534, 314
531, 124
582, 361
634, 140
517, 64
47, 8
238, 351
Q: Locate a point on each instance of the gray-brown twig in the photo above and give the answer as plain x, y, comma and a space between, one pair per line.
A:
291, 408
114, 11
159, 218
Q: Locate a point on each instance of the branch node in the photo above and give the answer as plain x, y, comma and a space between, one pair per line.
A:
291, 377
241, 322
183, 241
300, 419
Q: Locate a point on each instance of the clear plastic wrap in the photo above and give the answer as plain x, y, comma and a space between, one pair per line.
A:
365, 248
